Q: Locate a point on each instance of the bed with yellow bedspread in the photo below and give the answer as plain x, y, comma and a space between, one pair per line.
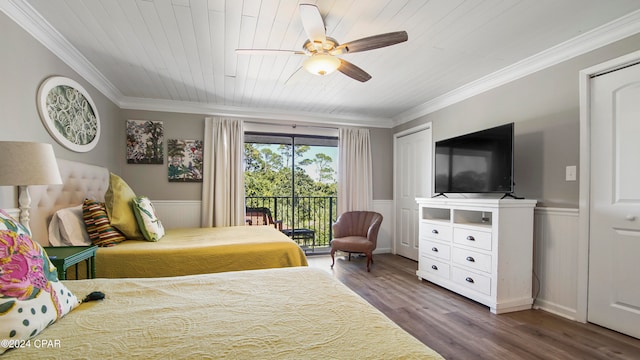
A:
287, 313
200, 251
185, 251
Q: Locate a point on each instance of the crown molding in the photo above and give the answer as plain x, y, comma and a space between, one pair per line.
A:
615, 30
257, 114
32, 22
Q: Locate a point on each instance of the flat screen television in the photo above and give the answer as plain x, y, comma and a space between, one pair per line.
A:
479, 162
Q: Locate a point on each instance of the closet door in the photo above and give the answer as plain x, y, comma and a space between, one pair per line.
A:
614, 234
412, 178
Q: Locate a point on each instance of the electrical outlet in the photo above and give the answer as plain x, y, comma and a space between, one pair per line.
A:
570, 173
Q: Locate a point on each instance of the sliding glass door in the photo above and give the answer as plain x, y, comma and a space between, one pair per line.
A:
295, 177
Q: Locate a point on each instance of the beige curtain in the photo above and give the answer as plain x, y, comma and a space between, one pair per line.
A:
223, 180
355, 189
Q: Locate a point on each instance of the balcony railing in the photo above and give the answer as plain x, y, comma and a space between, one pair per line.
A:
306, 219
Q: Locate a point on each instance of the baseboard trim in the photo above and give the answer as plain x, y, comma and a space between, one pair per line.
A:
555, 309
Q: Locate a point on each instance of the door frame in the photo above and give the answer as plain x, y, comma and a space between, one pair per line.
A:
415, 129
585, 171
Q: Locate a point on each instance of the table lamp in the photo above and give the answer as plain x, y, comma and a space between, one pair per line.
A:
24, 164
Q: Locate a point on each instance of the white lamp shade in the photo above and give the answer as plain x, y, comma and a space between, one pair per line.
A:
28, 163
321, 64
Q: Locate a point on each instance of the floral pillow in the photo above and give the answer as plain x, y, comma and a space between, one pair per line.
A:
31, 297
148, 221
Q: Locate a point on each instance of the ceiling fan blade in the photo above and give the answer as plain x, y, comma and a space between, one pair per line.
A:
268, 52
295, 77
353, 71
312, 23
372, 42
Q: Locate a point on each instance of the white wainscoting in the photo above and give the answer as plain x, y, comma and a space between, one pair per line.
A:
385, 236
555, 260
178, 213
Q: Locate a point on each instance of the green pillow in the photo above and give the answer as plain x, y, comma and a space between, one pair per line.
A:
148, 221
117, 201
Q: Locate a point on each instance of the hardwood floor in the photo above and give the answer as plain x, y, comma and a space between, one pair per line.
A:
459, 328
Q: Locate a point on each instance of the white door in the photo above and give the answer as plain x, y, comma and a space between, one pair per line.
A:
412, 178
614, 237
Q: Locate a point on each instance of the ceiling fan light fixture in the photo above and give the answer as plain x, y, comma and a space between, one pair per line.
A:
321, 64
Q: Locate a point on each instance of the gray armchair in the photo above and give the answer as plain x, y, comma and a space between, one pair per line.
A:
356, 232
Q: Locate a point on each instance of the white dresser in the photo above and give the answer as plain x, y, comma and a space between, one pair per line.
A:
479, 248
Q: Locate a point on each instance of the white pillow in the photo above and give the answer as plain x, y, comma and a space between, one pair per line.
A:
147, 218
67, 228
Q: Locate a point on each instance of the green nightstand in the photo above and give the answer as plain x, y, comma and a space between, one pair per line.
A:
64, 257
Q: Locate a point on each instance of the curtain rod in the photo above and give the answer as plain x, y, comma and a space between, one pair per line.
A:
292, 125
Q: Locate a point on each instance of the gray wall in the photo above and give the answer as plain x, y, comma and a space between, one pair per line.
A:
151, 180
382, 154
24, 64
545, 108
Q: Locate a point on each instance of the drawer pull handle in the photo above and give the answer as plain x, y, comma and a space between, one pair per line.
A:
434, 249
434, 231
471, 238
469, 280
471, 259
434, 267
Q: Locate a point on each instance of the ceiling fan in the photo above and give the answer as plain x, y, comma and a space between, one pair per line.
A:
322, 50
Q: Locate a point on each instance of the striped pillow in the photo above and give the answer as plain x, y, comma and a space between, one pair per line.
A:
99, 228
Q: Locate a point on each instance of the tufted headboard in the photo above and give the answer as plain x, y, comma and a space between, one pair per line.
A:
79, 180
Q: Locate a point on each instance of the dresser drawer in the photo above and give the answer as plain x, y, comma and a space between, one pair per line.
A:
471, 280
435, 249
474, 238
435, 231
434, 267
472, 259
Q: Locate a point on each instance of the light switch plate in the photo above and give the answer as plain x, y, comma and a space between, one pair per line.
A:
570, 173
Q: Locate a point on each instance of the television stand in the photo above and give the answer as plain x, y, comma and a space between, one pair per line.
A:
478, 248
440, 194
510, 195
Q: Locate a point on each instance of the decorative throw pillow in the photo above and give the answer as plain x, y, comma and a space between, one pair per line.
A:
148, 221
100, 230
67, 228
117, 200
31, 297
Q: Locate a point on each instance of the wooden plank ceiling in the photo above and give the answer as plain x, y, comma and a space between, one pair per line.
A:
183, 50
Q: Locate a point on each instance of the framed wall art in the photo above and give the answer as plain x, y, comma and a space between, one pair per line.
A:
185, 160
145, 142
68, 113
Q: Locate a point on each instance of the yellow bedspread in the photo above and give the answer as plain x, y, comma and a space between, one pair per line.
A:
200, 251
289, 313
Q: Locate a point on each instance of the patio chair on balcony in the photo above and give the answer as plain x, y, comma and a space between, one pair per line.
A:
356, 232
261, 216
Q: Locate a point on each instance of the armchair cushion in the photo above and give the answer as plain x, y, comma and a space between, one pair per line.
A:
359, 244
